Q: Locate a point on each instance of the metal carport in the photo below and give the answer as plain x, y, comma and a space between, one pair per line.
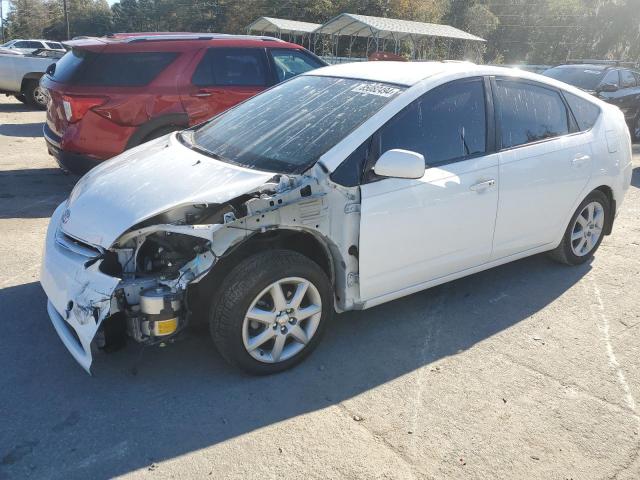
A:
293, 29
378, 31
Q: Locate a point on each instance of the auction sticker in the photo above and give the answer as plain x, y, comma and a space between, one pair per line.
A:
378, 89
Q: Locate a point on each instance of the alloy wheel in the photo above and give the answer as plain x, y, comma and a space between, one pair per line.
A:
281, 320
40, 97
587, 229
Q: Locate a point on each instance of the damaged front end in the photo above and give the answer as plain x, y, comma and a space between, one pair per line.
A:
96, 296
140, 285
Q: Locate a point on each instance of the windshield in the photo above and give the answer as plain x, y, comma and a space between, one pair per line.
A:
581, 77
286, 129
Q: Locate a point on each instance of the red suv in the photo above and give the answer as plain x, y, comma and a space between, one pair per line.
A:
110, 94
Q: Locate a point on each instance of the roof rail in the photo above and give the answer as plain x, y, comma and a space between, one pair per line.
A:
591, 61
196, 36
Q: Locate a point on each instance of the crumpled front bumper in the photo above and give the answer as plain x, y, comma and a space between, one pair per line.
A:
79, 295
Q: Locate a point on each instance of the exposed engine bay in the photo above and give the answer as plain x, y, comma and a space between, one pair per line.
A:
162, 258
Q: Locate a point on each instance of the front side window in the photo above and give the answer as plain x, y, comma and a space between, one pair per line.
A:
628, 80
529, 113
225, 67
54, 45
289, 63
447, 123
289, 127
585, 112
611, 78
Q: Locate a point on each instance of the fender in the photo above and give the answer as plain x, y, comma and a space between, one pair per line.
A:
177, 119
29, 77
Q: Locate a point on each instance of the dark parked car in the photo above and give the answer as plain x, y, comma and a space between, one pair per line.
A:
611, 82
110, 94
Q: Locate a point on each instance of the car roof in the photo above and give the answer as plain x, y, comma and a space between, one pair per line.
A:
590, 66
175, 41
400, 73
410, 73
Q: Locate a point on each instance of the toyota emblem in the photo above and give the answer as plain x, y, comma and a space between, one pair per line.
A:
66, 215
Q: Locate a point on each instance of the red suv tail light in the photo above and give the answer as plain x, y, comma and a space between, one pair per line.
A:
76, 107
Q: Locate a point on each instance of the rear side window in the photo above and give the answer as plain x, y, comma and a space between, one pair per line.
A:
232, 67
447, 123
529, 113
68, 65
290, 63
585, 112
80, 67
124, 69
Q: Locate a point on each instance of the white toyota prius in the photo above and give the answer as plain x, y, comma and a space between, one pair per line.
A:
340, 189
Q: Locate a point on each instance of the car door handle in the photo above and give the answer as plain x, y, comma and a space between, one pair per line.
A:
201, 94
578, 160
482, 186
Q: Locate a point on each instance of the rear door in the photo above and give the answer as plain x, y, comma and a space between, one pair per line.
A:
223, 78
544, 165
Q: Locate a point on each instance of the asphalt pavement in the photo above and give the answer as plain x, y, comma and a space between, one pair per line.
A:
530, 370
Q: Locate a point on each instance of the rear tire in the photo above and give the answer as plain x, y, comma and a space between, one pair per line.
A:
34, 96
585, 230
247, 323
21, 98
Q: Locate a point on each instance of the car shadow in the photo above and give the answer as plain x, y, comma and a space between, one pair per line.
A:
152, 404
34, 192
32, 130
16, 107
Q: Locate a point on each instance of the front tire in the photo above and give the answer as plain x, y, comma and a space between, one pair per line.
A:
585, 230
271, 311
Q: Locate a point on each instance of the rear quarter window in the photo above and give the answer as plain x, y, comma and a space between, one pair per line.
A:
80, 67
585, 112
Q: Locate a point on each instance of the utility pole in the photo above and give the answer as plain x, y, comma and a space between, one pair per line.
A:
66, 16
1, 21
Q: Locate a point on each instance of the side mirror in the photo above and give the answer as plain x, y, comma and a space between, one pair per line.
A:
608, 88
399, 163
50, 69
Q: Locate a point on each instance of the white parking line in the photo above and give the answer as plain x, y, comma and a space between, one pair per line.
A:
603, 325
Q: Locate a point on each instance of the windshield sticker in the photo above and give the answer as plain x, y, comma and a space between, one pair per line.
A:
378, 89
595, 72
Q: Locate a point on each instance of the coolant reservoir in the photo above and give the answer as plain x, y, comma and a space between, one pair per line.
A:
161, 306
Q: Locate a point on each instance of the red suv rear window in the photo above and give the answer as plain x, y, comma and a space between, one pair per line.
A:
82, 67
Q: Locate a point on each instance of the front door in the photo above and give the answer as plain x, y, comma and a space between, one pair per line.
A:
223, 78
415, 231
